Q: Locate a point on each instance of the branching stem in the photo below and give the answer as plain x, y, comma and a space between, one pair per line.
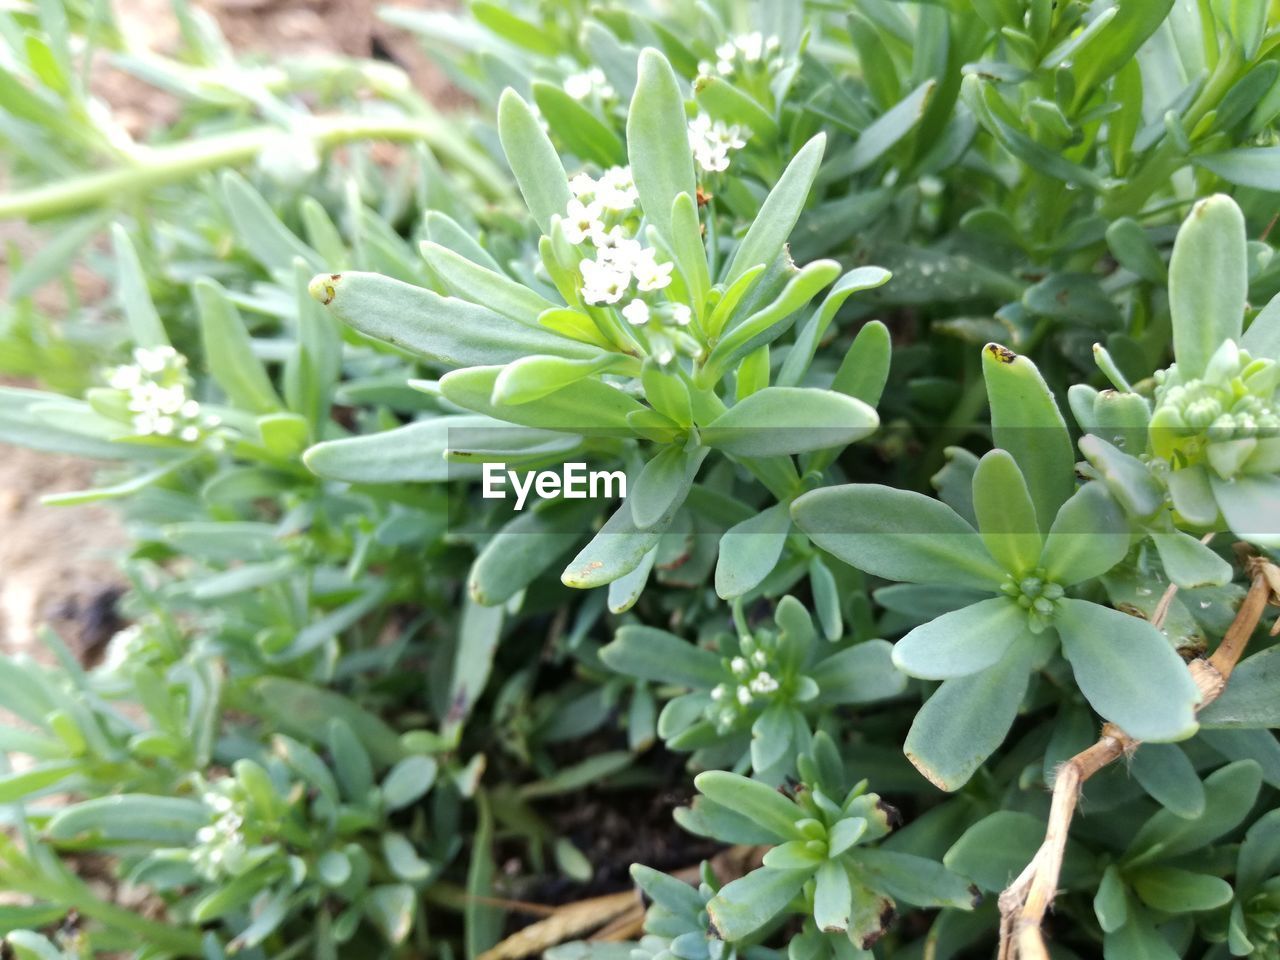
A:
1024, 903
180, 161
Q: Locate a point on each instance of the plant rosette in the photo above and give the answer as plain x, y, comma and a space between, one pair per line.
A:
986, 652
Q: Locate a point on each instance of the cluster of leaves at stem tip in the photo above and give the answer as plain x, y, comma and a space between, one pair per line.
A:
671, 243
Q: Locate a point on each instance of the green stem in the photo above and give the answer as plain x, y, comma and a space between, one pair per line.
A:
179, 161
1167, 159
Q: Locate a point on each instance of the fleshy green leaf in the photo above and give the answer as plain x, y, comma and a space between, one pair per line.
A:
762, 803
657, 138
479, 284
414, 452
994, 850
1169, 778
577, 127
1208, 282
965, 720
1190, 563
1089, 536
748, 903
888, 129
442, 329
534, 161
962, 642
650, 654
524, 549
750, 550
532, 378
1006, 515
588, 407
163, 821
766, 324
689, 251
1262, 339
786, 420
1251, 506
145, 326
664, 483
1128, 671
917, 880
616, 549
1026, 421
1110, 903
863, 673
1127, 477
408, 781
1180, 891
896, 534
228, 351
781, 209
1250, 699
832, 897
1229, 796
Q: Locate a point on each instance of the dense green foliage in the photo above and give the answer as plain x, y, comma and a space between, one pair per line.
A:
938, 348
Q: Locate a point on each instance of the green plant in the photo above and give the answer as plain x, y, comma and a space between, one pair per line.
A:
363, 707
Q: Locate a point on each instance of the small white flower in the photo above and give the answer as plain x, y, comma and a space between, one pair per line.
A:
582, 185
711, 141
751, 46
158, 359
759, 658
744, 696
649, 273
603, 282
171, 399
636, 313
217, 802
617, 248
738, 665
582, 221
125, 378
763, 683
578, 86
616, 189
718, 692
681, 313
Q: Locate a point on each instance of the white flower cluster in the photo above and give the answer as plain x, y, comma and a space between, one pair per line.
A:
158, 395
582, 85
749, 48
752, 680
711, 141
598, 215
221, 847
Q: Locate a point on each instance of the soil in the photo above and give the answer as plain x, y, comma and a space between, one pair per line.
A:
58, 565
615, 829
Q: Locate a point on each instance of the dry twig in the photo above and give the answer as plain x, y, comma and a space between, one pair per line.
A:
1024, 902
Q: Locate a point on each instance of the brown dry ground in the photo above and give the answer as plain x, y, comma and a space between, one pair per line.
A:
59, 565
